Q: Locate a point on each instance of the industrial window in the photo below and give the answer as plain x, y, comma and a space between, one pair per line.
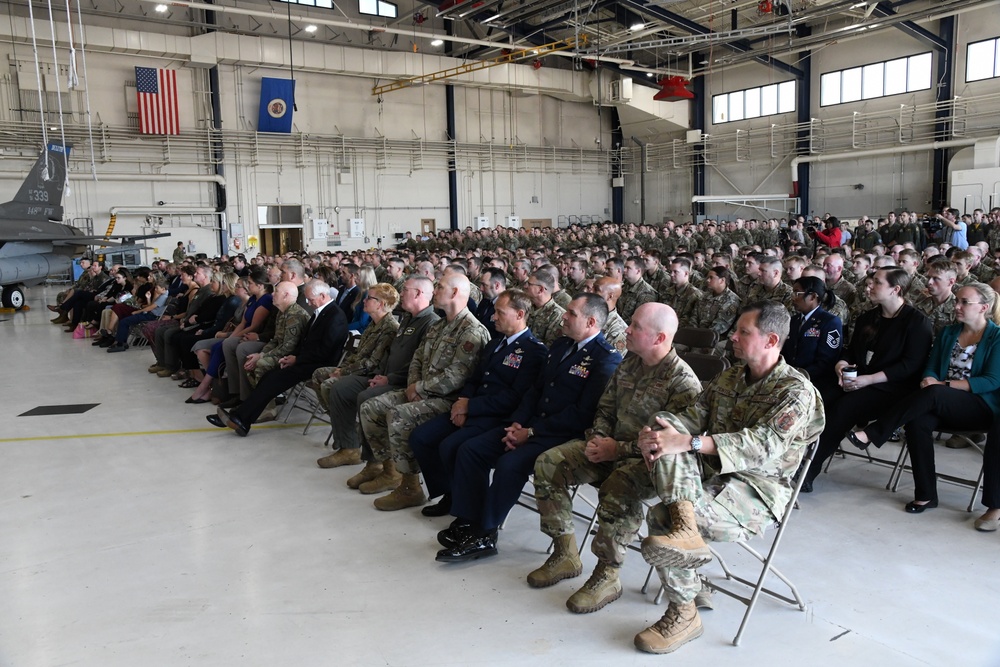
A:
325, 4
983, 60
753, 102
389, 10
890, 77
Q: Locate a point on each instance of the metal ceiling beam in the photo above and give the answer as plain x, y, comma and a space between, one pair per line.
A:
912, 29
678, 21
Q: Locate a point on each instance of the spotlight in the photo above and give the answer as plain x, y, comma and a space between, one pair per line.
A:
161, 8
310, 28
636, 27
437, 42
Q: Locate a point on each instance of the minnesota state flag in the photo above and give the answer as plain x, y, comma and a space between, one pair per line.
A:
277, 99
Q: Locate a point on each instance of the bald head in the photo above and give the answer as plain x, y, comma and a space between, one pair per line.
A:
650, 336
285, 294
452, 294
609, 289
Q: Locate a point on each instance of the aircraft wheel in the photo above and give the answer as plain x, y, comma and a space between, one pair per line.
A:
13, 297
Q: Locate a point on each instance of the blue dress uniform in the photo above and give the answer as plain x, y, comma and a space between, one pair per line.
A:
484, 313
814, 345
504, 374
559, 407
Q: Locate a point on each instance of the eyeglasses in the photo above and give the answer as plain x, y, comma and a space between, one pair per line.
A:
373, 298
799, 294
966, 302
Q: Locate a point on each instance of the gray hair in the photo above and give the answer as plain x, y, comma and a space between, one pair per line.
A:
772, 317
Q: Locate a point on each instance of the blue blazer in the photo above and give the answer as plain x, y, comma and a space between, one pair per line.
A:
984, 379
562, 403
484, 313
814, 344
502, 377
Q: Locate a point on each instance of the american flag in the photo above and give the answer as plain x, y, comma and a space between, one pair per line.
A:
156, 90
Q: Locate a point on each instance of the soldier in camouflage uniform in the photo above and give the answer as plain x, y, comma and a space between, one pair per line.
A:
682, 296
653, 378
758, 417
439, 370
657, 277
769, 286
939, 302
290, 325
614, 328
719, 305
635, 290
711, 242
545, 320
833, 265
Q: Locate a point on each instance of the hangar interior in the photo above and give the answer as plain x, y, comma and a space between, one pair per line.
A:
134, 535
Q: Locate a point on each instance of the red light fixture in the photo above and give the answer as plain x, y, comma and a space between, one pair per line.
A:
673, 89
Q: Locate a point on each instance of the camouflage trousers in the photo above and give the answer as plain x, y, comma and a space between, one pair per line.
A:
679, 478
387, 421
322, 383
264, 366
622, 486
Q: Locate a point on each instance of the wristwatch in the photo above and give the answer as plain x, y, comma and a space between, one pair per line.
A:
696, 444
531, 432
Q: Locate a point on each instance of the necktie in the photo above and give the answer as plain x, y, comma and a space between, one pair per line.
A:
573, 350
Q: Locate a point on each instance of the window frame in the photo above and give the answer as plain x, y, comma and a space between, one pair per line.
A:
314, 4
762, 103
996, 59
379, 4
864, 93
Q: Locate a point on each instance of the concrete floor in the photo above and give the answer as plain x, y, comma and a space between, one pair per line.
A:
137, 534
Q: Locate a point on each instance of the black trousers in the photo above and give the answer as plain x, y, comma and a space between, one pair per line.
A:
927, 410
991, 467
844, 411
272, 384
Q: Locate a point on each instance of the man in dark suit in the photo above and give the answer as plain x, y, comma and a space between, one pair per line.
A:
492, 283
558, 408
321, 345
507, 369
349, 292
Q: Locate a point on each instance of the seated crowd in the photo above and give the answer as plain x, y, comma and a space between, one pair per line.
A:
481, 358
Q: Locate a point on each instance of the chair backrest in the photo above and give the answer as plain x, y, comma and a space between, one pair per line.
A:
705, 366
695, 337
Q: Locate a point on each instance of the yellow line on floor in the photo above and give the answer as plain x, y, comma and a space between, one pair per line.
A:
138, 433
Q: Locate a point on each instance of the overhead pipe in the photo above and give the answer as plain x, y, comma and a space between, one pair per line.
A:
873, 152
154, 178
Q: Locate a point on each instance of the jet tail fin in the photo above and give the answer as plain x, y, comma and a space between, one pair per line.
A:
40, 198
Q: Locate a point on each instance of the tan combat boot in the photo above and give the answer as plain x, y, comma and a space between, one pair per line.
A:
678, 626
155, 368
61, 319
409, 493
683, 546
371, 470
603, 588
341, 457
387, 480
564, 563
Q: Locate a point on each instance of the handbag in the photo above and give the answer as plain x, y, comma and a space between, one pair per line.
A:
81, 332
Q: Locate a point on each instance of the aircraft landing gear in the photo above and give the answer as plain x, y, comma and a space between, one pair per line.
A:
12, 297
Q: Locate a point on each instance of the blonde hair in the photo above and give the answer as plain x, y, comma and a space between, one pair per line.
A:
989, 297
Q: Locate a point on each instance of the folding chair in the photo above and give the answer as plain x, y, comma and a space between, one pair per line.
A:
975, 485
705, 366
696, 338
765, 560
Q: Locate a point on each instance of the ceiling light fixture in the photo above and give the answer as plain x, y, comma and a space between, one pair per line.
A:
161, 8
437, 42
636, 27
311, 28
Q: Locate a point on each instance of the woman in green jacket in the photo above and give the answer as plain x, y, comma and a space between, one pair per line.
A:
960, 390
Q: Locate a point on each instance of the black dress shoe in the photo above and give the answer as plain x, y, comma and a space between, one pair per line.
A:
455, 534
231, 403
473, 548
118, 347
440, 508
853, 438
215, 421
807, 486
913, 508
233, 422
